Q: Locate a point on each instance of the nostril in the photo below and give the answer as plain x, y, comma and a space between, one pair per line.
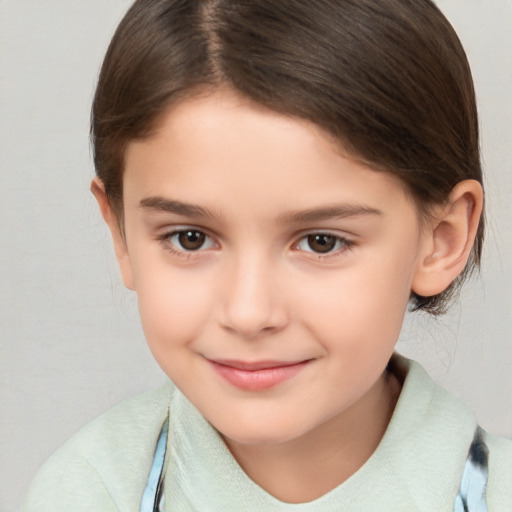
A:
252, 321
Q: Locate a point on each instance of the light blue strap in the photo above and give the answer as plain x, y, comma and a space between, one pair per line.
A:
151, 499
471, 497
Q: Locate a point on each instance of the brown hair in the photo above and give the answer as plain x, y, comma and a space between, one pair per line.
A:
388, 78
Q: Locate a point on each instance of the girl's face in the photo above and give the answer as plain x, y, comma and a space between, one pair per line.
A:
272, 272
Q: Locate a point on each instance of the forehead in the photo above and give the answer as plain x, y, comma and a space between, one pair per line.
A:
224, 151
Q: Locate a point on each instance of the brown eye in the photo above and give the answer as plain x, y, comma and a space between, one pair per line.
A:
321, 243
324, 243
190, 240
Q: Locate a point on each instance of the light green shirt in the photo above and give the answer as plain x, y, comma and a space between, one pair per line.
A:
417, 466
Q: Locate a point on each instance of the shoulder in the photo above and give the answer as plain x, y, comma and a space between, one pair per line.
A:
104, 467
499, 488
440, 429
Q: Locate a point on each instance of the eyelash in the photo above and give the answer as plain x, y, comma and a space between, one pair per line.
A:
166, 241
344, 244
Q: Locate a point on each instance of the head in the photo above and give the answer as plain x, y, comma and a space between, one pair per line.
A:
236, 143
389, 81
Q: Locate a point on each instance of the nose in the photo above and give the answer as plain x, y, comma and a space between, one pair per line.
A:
253, 299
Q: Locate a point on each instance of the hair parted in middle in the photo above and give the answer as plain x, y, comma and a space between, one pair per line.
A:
388, 79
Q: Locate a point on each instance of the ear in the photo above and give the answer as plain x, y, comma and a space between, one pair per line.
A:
113, 222
449, 239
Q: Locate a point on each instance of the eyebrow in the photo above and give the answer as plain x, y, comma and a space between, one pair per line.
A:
328, 212
163, 205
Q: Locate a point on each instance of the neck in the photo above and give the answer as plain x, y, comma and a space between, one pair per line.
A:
306, 468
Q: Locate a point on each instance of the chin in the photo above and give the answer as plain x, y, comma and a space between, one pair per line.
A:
258, 434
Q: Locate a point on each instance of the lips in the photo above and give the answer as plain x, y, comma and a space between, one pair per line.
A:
256, 376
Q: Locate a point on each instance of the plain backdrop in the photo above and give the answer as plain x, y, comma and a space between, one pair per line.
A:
70, 342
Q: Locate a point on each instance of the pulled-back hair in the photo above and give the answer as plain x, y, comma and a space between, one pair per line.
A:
389, 79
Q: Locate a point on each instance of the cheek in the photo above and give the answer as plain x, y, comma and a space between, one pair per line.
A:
361, 307
173, 305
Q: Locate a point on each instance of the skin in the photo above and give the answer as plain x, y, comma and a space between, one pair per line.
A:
258, 289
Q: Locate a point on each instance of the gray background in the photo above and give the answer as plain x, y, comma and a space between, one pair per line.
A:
70, 341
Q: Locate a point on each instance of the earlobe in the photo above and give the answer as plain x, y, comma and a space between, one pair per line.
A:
112, 221
448, 240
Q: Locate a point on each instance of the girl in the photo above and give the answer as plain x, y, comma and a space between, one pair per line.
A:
281, 180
